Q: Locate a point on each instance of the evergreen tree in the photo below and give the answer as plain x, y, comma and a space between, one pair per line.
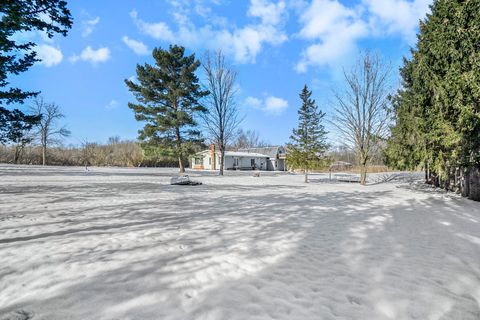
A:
168, 95
49, 16
406, 147
16, 16
307, 142
15, 127
439, 102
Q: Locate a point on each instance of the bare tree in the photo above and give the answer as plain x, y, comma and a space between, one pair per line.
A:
49, 133
248, 139
361, 114
88, 153
222, 117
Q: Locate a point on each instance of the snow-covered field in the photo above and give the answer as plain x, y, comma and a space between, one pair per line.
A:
124, 244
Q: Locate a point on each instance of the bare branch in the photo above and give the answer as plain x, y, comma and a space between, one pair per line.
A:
222, 118
361, 114
48, 131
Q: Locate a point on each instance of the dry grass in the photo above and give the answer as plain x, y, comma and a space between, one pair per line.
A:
356, 169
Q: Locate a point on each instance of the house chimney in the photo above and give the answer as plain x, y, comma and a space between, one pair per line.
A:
213, 156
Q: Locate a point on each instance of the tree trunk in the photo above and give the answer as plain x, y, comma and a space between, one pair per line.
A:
426, 173
306, 176
363, 174
44, 154
474, 184
179, 149
446, 184
436, 180
465, 183
456, 181
180, 164
16, 156
222, 159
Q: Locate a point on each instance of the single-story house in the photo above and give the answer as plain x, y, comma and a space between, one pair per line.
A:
276, 156
244, 159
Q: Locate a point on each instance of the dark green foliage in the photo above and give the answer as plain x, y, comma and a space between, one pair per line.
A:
17, 16
308, 142
437, 112
168, 95
49, 16
15, 126
406, 146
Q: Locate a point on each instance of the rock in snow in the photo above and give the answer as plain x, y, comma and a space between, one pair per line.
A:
184, 181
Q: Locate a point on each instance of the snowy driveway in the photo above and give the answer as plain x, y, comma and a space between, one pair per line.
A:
124, 244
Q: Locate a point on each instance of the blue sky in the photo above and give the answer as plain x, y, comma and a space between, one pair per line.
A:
275, 46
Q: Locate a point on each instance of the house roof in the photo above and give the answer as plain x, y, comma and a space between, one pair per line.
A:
271, 152
245, 154
237, 154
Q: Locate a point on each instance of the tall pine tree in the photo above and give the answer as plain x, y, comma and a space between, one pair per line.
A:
168, 95
308, 142
440, 98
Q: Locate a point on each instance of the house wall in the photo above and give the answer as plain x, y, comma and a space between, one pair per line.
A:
207, 164
228, 162
271, 164
243, 162
276, 164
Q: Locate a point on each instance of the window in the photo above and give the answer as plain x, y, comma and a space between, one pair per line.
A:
252, 162
210, 161
198, 161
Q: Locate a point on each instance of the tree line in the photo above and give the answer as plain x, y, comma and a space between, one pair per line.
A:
436, 112
115, 152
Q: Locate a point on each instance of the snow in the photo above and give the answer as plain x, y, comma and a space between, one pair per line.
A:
115, 243
245, 154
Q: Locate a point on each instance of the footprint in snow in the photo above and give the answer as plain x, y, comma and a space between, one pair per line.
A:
354, 300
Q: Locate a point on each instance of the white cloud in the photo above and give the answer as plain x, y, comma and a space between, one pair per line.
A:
269, 12
49, 56
159, 30
112, 104
275, 105
242, 43
271, 105
137, 46
397, 16
253, 102
91, 55
335, 29
89, 25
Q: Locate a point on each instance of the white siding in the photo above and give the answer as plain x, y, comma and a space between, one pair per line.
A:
244, 161
228, 162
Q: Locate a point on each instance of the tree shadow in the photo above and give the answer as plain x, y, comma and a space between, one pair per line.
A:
283, 252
